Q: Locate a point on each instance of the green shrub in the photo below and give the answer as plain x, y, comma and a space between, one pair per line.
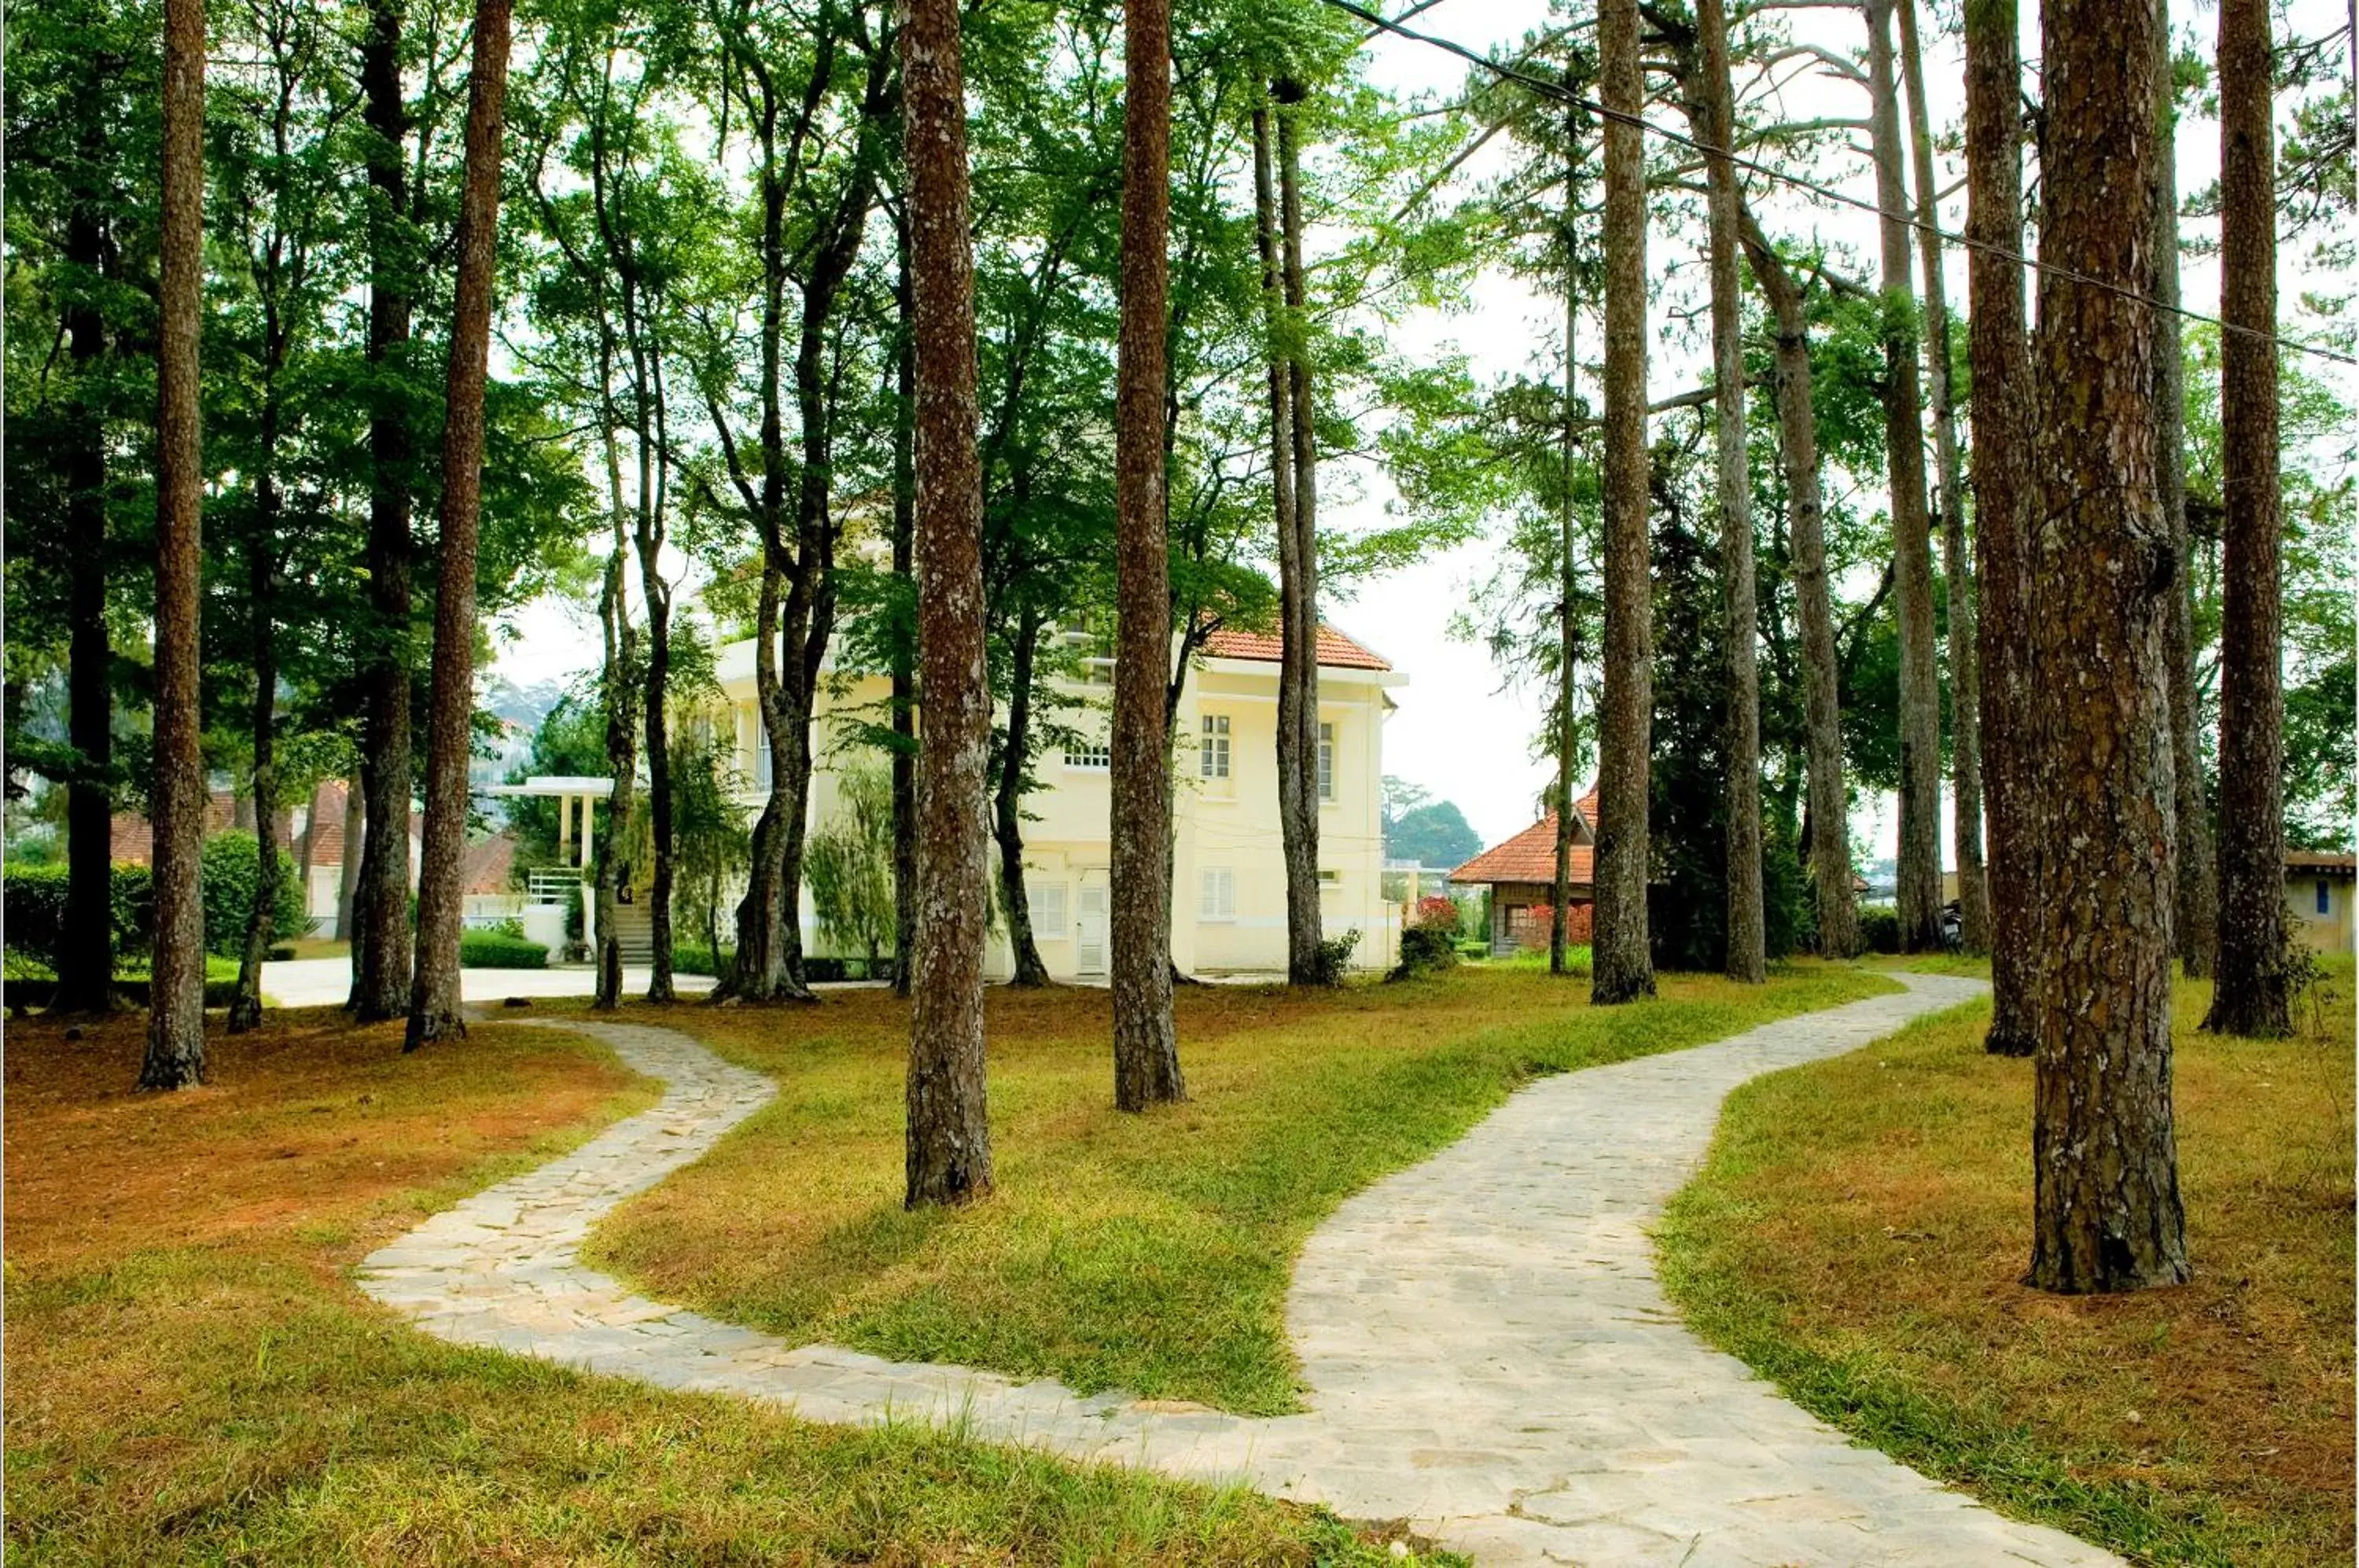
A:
1425, 949
1879, 928
33, 905
695, 958
1335, 958
229, 871
492, 950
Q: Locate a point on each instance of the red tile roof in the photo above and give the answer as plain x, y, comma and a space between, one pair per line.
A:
1531, 856
2313, 860
488, 864
1336, 651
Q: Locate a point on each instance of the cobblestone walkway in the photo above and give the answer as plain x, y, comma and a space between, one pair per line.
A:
1485, 1349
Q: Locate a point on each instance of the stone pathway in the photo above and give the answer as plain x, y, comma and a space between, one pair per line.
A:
1485, 1348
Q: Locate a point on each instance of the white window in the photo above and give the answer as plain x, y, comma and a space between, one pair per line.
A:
1219, 897
1048, 900
1213, 752
1091, 756
761, 752
1326, 762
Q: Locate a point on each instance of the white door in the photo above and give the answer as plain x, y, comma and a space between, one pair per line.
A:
1089, 941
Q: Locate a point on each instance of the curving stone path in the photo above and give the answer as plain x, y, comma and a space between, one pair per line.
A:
1485, 1349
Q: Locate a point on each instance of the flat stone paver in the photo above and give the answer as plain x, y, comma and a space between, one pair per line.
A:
1485, 1350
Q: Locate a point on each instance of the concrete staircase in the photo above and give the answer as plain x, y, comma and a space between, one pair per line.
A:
634, 929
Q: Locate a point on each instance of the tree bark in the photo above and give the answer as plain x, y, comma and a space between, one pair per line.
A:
949, 1139
1567, 609
622, 750
245, 1004
1006, 806
176, 1024
348, 868
1965, 689
1748, 952
435, 1011
1904, 438
1798, 451
378, 928
1297, 556
1146, 1047
2002, 469
905, 640
657, 700
2193, 911
86, 957
2252, 992
1621, 966
2106, 1207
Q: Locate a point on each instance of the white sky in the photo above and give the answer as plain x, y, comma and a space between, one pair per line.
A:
1461, 731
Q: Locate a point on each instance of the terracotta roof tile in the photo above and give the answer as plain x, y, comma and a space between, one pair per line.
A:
1336, 651
1531, 856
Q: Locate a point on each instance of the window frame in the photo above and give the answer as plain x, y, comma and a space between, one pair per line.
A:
1222, 909
1326, 763
1213, 748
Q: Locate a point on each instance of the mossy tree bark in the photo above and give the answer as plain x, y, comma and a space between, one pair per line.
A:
948, 1153
2107, 1208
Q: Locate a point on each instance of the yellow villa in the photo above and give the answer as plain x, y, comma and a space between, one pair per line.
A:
1228, 875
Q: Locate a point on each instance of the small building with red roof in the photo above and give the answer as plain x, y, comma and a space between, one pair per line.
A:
1521, 876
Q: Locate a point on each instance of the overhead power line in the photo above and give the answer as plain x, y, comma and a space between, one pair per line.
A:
1563, 94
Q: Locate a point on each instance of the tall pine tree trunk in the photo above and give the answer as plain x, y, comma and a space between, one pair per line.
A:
657, 720
1298, 556
1748, 953
378, 927
1008, 802
261, 921
435, 1010
2192, 911
1146, 1048
1621, 966
1567, 609
2002, 484
905, 639
2251, 994
1904, 438
86, 956
348, 866
1965, 689
621, 752
2107, 1209
949, 1137
176, 1023
1798, 453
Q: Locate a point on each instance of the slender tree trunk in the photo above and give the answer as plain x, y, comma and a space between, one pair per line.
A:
2251, 993
2106, 1207
661, 817
949, 1141
1621, 967
1747, 950
1904, 439
378, 927
2194, 912
348, 867
1798, 451
2002, 472
1146, 1048
1298, 677
86, 957
1298, 854
435, 1011
1567, 608
621, 752
905, 640
261, 921
1006, 806
175, 1025
1956, 567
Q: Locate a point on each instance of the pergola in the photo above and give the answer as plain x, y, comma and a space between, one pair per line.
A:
566, 788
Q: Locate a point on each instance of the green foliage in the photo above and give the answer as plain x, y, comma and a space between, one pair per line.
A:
230, 871
35, 908
850, 863
1433, 834
497, 950
1879, 928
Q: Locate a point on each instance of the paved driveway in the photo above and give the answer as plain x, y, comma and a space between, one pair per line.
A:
326, 981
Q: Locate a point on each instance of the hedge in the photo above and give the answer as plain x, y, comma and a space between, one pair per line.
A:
495, 950
33, 902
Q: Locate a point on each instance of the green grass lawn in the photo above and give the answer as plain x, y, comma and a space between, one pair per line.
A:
1860, 1234
1149, 1253
193, 1377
